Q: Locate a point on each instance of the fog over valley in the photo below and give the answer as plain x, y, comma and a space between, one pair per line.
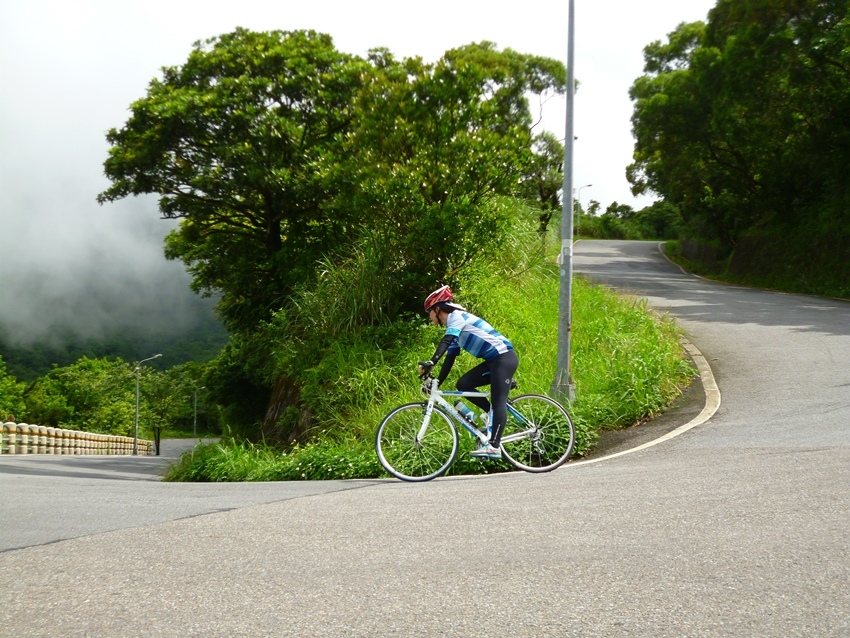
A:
81, 271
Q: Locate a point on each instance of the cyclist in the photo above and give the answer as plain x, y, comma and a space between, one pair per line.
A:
480, 339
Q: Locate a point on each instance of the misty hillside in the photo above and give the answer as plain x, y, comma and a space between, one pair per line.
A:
197, 342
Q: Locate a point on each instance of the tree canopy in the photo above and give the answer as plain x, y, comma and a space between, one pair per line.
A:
283, 157
742, 122
240, 143
275, 150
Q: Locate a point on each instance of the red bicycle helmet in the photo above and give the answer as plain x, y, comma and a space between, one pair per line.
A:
442, 294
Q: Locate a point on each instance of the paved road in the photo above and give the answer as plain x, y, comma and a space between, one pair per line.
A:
737, 528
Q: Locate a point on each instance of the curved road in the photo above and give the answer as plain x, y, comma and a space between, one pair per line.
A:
738, 527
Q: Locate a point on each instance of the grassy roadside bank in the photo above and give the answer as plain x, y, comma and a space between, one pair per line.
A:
627, 365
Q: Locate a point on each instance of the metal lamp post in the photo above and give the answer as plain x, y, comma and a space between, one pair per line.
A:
563, 385
136, 430
578, 208
195, 418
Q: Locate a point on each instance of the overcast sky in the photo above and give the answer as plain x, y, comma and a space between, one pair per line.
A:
69, 71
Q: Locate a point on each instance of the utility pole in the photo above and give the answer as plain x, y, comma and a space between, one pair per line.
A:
136, 429
564, 387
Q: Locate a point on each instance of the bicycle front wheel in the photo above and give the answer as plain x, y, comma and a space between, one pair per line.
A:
407, 456
539, 435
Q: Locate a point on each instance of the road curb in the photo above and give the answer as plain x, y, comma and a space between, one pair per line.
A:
712, 404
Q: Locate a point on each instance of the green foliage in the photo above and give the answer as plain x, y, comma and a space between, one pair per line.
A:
627, 363
320, 460
807, 260
93, 395
275, 150
241, 142
660, 220
344, 340
742, 122
99, 395
280, 153
11, 395
544, 178
435, 148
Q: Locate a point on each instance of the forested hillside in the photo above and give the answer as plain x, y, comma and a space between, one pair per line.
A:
199, 343
742, 123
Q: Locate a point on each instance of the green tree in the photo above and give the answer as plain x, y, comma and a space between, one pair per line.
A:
11, 395
670, 121
544, 178
94, 395
620, 211
435, 147
46, 404
277, 153
241, 144
659, 220
742, 122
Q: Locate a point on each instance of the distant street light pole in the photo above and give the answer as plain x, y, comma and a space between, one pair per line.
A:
195, 419
136, 431
563, 386
578, 208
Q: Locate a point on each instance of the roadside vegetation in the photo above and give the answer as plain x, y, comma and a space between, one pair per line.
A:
627, 364
811, 263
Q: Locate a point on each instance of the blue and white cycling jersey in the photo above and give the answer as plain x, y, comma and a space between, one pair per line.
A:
475, 335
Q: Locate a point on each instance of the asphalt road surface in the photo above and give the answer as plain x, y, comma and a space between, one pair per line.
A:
737, 527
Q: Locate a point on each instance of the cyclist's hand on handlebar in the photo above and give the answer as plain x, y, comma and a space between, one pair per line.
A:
425, 368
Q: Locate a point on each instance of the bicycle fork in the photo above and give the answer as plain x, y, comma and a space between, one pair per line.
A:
429, 410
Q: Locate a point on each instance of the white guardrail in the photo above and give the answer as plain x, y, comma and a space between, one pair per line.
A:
22, 438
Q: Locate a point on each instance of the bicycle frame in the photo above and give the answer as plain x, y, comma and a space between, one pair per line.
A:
483, 436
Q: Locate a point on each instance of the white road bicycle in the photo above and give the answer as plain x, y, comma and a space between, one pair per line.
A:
419, 441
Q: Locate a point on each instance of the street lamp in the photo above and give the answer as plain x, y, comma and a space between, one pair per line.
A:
195, 419
578, 208
136, 431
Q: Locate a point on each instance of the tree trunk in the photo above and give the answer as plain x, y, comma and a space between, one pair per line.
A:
285, 394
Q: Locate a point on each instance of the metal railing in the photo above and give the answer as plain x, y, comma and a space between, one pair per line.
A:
23, 438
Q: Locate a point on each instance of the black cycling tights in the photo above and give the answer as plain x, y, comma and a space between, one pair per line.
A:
498, 373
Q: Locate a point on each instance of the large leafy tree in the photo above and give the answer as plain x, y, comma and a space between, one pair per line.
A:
742, 122
436, 145
240, 143
670, 121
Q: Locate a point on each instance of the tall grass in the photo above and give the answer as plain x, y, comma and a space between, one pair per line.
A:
627, 365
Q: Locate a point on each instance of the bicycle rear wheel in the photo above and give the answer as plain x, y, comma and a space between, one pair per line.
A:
409, 458
539, 435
